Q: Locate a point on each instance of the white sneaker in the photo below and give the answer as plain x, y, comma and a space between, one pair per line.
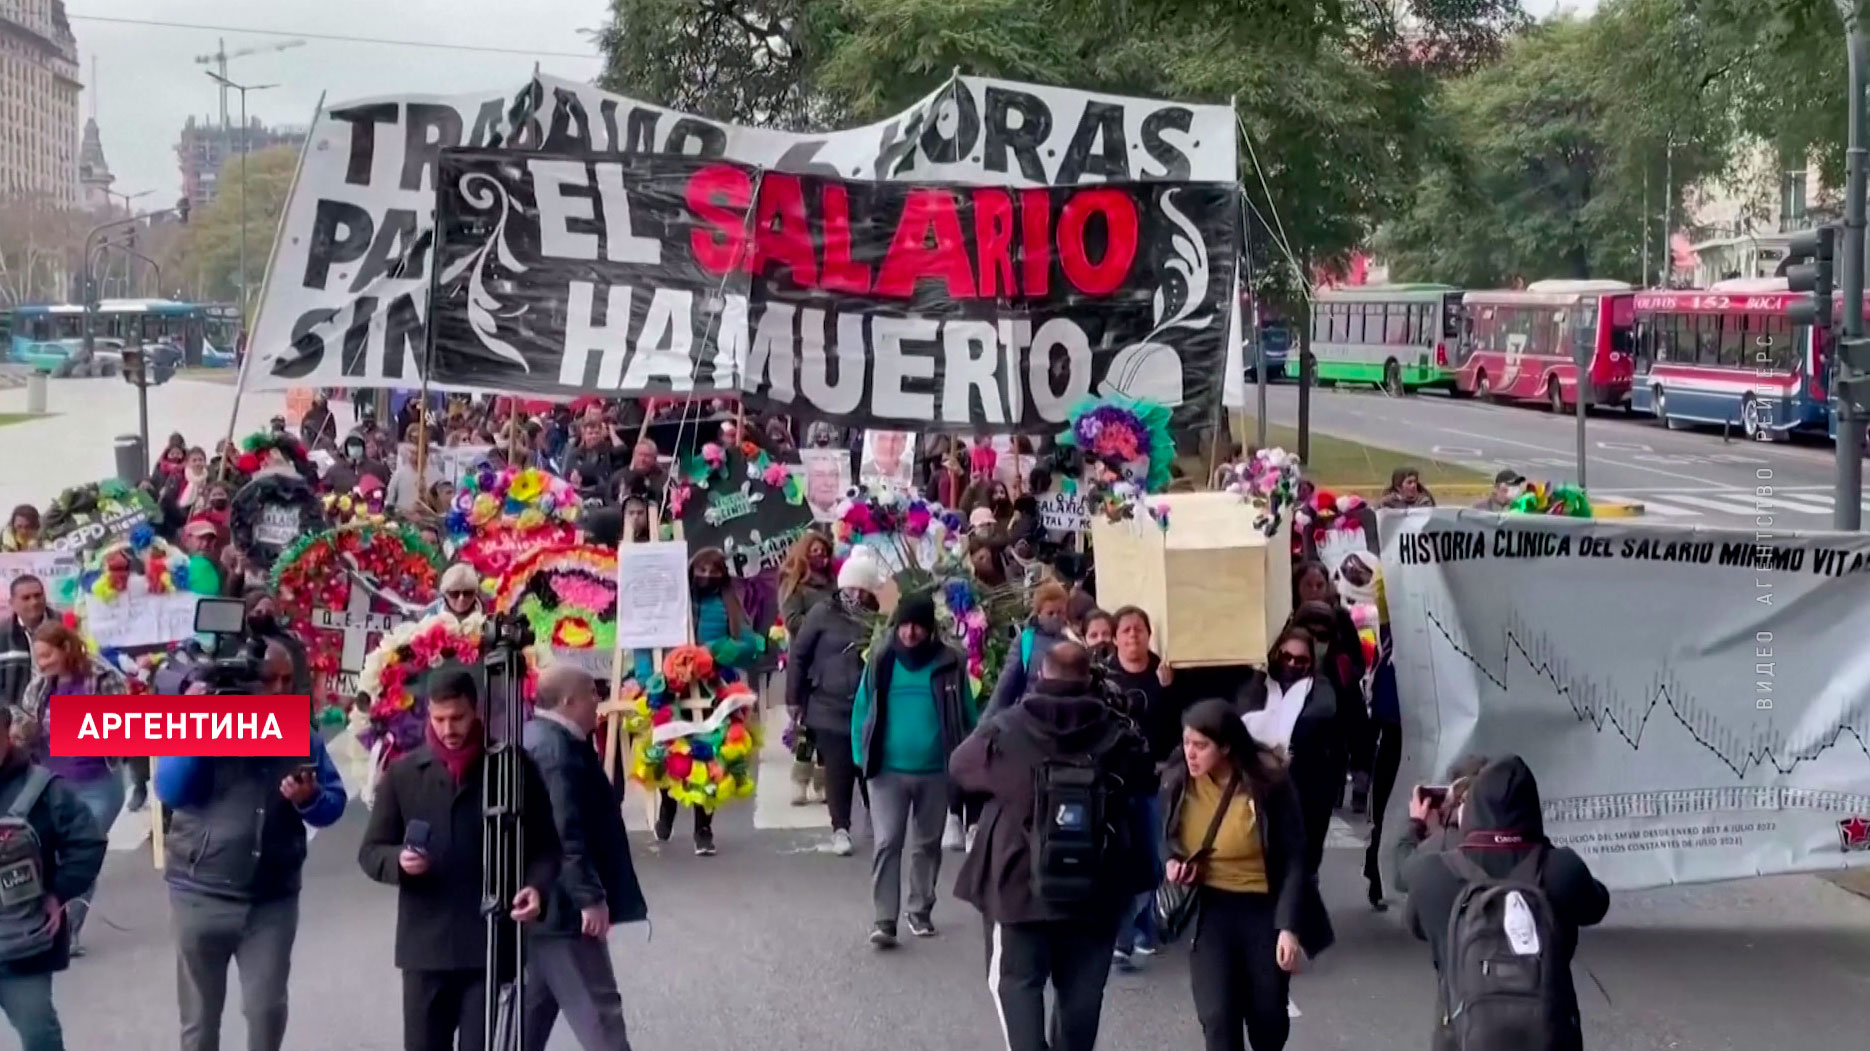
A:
841, 843
967, 842
952, 838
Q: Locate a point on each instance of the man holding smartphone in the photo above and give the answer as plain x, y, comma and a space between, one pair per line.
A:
425, 838
571, 971
236, 846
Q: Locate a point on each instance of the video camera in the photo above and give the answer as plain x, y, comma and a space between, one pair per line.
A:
231, 667
1127, 703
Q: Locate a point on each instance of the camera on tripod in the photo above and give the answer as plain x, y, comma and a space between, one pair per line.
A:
230, 667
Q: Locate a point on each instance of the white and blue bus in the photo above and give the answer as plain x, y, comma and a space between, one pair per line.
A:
1729, 356
47, 337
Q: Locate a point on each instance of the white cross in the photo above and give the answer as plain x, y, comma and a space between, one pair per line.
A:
358, 624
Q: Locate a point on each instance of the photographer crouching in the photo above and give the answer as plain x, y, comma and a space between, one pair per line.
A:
236, 845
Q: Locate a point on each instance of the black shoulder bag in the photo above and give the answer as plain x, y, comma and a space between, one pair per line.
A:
1175, 902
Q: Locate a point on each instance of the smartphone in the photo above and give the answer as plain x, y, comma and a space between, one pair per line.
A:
1435, 795
416, 836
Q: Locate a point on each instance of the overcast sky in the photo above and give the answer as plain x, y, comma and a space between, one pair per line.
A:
148, 82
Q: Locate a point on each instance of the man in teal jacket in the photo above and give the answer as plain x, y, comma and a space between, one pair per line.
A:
914, 707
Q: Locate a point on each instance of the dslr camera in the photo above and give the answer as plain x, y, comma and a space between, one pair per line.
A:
230, 667
1126, 703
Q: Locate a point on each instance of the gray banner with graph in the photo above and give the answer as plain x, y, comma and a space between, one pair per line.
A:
1694, 702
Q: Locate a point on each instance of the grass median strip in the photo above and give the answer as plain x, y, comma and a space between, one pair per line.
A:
17, 417
1345, 466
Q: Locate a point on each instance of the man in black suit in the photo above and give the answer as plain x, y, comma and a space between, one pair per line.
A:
425, 839
570, 966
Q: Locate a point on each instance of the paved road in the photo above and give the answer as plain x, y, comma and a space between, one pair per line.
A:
1689, 477
74, 443
781, 925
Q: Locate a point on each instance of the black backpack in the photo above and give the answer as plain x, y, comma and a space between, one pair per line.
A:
25, 929
1503, 987
1080, 818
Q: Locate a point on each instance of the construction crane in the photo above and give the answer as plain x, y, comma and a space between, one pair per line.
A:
222, 56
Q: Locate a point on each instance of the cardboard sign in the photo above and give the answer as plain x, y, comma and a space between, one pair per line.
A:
140, 620
57, 570
1064, 512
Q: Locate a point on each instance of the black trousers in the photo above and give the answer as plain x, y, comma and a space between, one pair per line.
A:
665, 816
1074, 956
967, 807
439, 1004
1240, 992
1386, 757
834, 751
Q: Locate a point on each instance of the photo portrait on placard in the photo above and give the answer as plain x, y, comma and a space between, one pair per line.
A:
888, 459
826, 475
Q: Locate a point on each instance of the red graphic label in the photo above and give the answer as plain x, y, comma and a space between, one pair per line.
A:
119, 724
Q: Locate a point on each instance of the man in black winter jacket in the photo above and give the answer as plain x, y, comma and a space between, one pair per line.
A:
71, 853
1032, 940
441, 933
27, 614
1500, 825
596, 887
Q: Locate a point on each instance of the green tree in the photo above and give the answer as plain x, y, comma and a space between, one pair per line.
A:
1333, 96
206, 263
1555, 159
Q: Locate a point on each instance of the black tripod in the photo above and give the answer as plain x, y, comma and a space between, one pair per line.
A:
503, 853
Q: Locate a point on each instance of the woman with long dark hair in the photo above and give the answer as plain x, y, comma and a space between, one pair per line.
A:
1232, 830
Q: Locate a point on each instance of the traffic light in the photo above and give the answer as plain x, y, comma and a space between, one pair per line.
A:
1809, 259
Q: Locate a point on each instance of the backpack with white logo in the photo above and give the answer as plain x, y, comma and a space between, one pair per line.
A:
25, 929
1502, 988
1079, 819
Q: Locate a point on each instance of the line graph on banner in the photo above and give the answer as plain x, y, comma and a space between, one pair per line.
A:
1607, 711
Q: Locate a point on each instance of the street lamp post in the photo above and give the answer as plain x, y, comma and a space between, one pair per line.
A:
245, 130
91, 249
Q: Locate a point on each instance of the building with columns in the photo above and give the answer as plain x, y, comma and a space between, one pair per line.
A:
39, 90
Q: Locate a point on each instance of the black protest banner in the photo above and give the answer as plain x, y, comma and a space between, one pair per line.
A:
898, 306
561, 276
753, 510
986, 308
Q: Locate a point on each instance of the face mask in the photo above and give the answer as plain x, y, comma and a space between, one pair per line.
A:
354, 452
708, 585
219, 503
1285, 674
1051, 623
263, 623
818, 563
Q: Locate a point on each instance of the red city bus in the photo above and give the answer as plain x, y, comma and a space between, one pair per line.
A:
1523, 344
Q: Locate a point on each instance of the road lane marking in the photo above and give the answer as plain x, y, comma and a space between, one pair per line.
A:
1708, 482
1734, 508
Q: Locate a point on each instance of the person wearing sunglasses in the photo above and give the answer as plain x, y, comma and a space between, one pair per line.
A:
461, 594
1293, 710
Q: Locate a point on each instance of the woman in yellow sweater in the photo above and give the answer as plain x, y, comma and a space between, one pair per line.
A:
1233, 830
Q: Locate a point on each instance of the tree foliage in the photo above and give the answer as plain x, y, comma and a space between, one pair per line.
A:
205, 260
1333, 96
40, 243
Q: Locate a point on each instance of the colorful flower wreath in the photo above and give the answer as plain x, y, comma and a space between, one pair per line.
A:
712, 464
568, 593
397, 713
702, 763
983, 621
314, 574
250, 504
1543, 498
264, 449
354, 508
164, 568
917, 538
1270, 481
109, 500
1126, 437
500, 516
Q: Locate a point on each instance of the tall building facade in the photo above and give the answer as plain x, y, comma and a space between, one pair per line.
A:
94, 177
39, 90
205, 146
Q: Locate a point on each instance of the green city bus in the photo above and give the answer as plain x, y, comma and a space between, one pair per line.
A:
1398, 337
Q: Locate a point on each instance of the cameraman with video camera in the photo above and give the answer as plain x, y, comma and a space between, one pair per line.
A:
236, 847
